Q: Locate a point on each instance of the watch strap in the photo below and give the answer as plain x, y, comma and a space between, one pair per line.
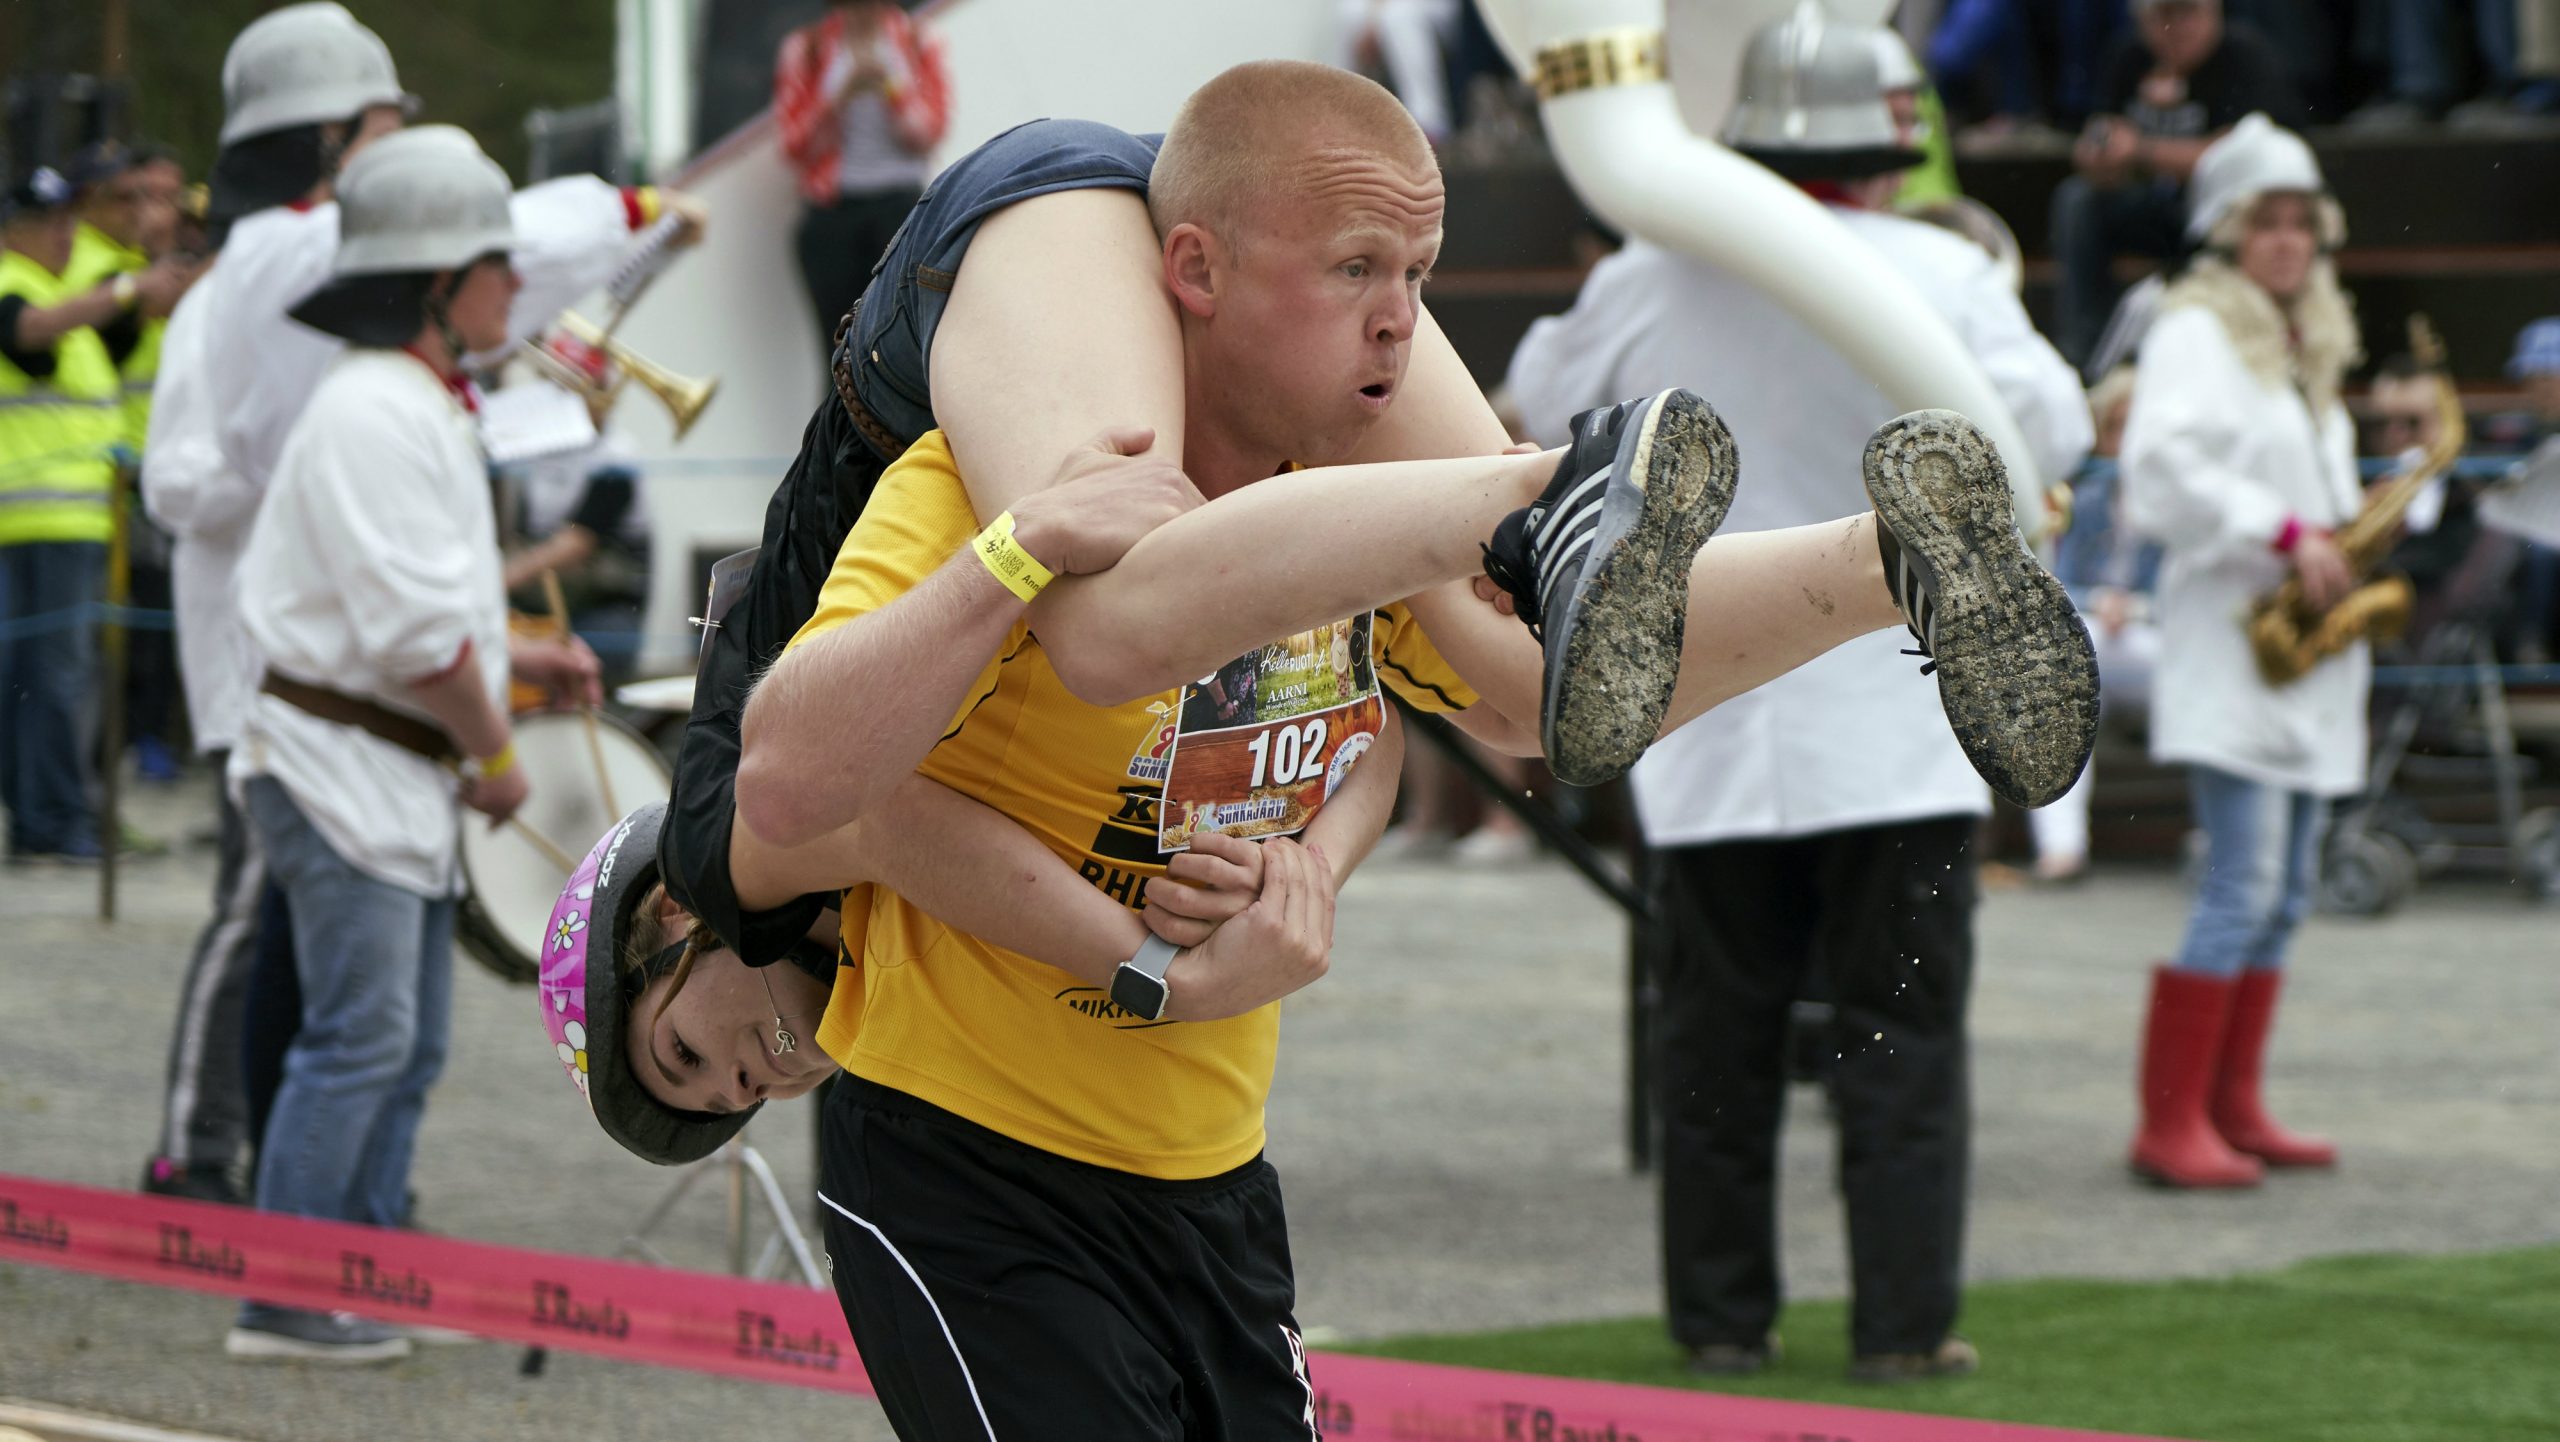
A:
1154, 956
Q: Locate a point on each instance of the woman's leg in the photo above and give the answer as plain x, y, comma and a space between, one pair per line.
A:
829, 267
2061, 832
2245, 828
2238, 1106
2306, 826
354, 939
2191, 1001
1058, 327
380, 1192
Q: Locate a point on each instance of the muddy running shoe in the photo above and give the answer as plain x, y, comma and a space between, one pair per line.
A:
2015, 670
1599, 569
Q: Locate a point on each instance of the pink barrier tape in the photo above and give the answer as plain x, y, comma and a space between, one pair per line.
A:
701, 1322
773, 1332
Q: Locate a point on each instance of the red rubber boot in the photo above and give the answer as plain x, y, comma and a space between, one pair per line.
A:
2238, 1111
2181, 1047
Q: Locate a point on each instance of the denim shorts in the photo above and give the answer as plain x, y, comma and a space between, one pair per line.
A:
841, 458
902, 305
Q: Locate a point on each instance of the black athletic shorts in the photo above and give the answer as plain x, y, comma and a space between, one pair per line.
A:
885, 362
999, 1291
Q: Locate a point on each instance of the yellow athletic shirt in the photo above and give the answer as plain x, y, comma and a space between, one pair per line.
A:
1013, 1044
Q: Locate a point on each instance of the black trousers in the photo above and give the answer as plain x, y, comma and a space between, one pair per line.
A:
996, 1290
840, 243
1887, 913
205, 1112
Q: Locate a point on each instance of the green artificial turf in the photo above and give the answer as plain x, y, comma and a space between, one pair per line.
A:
2343, 1349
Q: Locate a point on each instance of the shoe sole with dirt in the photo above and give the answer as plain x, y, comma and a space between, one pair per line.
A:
1609, 679
2016, 672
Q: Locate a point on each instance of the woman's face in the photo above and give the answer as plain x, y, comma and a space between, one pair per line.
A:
481, 301
711, 1050
2280, 242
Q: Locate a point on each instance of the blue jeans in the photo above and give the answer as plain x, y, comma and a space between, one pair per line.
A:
911, 283
2262, 859
48, 695
376, 966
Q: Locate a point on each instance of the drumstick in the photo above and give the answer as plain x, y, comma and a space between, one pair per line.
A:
544, 844
526, 829
595, 740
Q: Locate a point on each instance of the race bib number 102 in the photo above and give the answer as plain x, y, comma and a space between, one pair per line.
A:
1262, 743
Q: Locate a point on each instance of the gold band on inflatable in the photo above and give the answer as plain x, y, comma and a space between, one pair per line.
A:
1627, 56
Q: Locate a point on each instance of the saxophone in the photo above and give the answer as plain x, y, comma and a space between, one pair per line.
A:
2286, 634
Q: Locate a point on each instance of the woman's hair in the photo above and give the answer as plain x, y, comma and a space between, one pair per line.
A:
644, 959
265, 171
2312, 343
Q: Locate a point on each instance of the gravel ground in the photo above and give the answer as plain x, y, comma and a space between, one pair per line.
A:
1449, 1119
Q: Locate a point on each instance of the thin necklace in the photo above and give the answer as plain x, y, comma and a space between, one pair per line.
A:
783, 1040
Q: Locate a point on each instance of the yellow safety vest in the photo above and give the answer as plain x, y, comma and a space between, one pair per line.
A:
56, 434
97, 256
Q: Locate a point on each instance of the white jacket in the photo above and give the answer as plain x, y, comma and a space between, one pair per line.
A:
206, 510
1855, 737
2216, 458
236, 371
373, 560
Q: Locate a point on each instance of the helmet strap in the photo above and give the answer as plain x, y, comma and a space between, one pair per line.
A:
439, 308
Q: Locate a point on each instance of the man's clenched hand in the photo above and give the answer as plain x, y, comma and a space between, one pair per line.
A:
1281, 942
1223, 875
1106, 496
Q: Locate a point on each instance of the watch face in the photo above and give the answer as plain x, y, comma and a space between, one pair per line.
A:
1137, 993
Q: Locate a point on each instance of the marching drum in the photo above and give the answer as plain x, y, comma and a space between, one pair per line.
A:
513, 873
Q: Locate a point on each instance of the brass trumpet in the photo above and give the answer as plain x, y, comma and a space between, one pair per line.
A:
591, 364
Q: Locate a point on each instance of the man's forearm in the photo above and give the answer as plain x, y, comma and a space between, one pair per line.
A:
904, 669
563, 549
39, 329
967, 865
1350, 823
461, 704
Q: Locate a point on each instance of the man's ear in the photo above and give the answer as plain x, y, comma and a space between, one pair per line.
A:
1193, 259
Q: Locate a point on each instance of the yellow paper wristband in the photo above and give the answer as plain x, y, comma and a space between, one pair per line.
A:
490, 768
1008, 562
651, 203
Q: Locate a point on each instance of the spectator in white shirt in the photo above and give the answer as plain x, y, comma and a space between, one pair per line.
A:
306, 88
1831, 811
370, 583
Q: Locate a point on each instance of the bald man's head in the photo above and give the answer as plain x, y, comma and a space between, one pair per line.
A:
1269, 130
1298, 208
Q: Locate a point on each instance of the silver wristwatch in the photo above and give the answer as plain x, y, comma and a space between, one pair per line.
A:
1138, 986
